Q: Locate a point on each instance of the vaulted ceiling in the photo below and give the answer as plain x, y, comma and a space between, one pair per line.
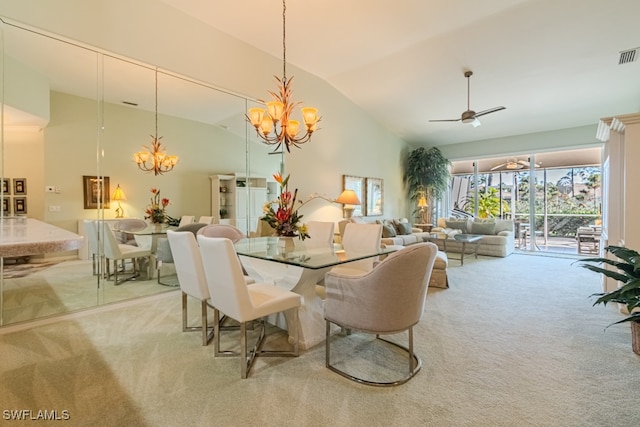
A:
552, 64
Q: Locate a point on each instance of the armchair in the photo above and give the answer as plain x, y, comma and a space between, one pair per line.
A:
387, 300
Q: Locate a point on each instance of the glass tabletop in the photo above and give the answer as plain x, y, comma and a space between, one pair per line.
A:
267, 248
151, 230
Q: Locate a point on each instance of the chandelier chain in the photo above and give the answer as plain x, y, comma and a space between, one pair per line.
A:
156, 134
284, 38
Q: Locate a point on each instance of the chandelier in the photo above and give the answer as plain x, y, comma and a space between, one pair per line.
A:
155, 158
278, 112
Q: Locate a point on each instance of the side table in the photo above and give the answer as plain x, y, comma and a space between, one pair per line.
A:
424, 227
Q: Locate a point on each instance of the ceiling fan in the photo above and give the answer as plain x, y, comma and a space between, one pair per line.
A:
514, 164
470, 116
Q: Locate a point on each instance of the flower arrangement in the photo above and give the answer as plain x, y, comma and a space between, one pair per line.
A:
285, 219
156, 209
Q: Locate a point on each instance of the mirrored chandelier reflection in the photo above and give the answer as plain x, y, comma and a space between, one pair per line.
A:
155, 158
277, 117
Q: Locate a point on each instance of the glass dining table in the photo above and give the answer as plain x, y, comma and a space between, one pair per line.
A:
298, 270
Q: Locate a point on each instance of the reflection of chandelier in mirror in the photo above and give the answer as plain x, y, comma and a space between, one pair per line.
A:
155, 158
277, 119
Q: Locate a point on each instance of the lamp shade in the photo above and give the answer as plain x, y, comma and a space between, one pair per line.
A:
348, 197
118, 194
422, 203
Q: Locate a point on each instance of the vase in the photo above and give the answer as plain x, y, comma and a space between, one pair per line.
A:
286, 243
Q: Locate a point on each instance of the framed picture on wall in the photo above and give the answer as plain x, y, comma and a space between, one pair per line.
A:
20, 186
6, 206
355, 183
96, 192
19, 205
374, 196
6, 186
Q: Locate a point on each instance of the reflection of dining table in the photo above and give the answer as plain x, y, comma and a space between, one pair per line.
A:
298, 270
148, 238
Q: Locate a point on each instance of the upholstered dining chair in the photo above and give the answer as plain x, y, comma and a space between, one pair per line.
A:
320, 234
231, 296
164, 255
222, 230
389, 299
192, 280
114, 251
360, 238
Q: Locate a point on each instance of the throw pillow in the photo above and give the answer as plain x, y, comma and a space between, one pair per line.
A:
459, 224
388, 231
404, 228
483, 227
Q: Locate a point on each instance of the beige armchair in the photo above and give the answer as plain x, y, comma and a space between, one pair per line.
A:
387, 300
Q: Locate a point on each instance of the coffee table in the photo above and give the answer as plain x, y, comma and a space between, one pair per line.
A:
462, 238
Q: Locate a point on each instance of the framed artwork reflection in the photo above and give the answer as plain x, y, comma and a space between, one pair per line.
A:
355, 183
96, 192
19, 186
374, 196
6, 186
6, 206
19, 205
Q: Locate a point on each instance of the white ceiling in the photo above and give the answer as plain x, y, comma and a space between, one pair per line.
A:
552, 63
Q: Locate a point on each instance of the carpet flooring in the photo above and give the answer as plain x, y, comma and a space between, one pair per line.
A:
513, 342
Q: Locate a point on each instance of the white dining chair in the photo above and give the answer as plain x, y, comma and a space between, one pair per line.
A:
320, 234
186, 220
363, 238
205, 220
231, 296
114, 251
193, 283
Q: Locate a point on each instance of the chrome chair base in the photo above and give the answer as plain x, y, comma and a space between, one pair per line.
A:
415, 363
134, 274
207, 331
247, 361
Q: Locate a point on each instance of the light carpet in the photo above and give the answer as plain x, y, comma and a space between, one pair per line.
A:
513, 342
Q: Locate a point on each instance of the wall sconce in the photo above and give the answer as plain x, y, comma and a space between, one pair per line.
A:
349, 199
119, 195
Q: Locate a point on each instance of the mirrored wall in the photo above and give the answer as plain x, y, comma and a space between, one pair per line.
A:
73, 117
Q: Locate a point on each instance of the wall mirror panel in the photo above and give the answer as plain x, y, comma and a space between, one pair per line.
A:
71, 112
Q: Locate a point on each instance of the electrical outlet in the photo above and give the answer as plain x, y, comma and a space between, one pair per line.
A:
54, 208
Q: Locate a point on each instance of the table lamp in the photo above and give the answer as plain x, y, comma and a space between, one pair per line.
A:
118, 195
422, 204
349, 199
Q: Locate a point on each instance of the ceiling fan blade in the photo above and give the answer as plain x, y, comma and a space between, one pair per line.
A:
445, 120
490, 110
500, 166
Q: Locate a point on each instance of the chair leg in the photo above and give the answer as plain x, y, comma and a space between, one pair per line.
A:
415, 363
248, 356
207, 333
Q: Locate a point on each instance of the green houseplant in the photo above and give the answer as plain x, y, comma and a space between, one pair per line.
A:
426, 174
627, 264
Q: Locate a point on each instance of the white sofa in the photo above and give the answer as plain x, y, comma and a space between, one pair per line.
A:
498, 234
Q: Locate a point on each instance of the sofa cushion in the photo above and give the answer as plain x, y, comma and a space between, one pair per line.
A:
457, 224
403, 228
388, 231
483, 227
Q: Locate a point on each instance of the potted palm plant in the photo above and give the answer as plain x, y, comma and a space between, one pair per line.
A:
627, 264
